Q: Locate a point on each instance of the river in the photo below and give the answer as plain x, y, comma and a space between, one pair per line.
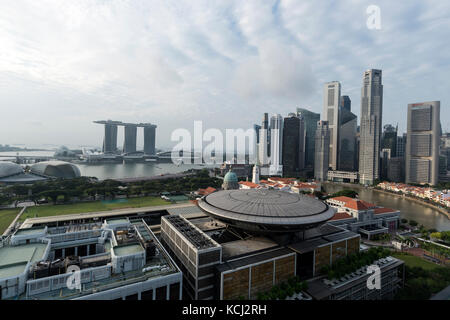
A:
429, 217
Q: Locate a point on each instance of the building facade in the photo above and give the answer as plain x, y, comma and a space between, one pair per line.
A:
263, 146
370, 128
276, 145
293, 145
310, 119
331, 102
422, 144
322, 149
347, 140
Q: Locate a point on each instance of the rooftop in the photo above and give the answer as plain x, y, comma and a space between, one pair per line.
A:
13, 259
127, 249
262, 208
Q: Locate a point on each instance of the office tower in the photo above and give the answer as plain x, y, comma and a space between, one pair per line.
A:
310, 120
442, 165
322, 147
256, 147
389, 139
263, 141
401, 145
385, 157
110, 139
346, 103
395, 169
129, 143
347, 140
149, 139
422, 143
276, 145
370, 132
293, 158
331, 101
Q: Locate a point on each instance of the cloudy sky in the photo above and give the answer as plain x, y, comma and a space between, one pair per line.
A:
64, 64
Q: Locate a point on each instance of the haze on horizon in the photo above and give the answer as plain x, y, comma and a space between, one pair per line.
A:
64, 64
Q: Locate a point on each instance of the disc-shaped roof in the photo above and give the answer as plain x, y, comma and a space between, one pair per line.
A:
269, 210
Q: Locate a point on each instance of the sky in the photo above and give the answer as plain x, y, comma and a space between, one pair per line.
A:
64, 64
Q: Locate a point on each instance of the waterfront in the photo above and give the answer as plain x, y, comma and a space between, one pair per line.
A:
429, 217
115, 170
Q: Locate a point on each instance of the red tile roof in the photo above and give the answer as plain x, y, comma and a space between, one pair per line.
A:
249, 184
341, 215
356, 205
204, 192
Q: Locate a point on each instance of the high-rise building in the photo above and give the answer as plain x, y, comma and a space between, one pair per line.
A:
276, 145
347, 140
422, 144
129, 143
110, 139
331, 102
401, 145
256, 146
293, 158
389, 139
370, 132
310, 119
263, 152
346, 103
322, 148
149, 139
395, 169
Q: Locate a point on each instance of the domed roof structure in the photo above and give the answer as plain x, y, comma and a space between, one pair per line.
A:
230, 181
266, 211
56, 169
8, 168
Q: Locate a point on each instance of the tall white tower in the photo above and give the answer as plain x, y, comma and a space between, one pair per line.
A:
263, 141
255, 177
276, 144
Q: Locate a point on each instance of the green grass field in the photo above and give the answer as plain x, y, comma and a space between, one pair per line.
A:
413, 261
6, 217
54, 210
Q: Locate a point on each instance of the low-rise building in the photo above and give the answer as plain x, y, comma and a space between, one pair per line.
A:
113, 259
363, 217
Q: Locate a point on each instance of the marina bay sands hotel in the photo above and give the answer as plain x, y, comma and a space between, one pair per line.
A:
129, 144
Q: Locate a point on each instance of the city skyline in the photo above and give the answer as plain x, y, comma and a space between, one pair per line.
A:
222, 65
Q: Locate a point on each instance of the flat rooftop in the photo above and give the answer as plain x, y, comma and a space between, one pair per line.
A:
13, 259
101, 214
240, 247
29, 231
127, 249
117, 221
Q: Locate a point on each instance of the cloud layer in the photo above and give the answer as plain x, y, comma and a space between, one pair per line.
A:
64, 64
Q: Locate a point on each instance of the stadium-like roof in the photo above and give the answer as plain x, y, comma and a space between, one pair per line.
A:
58, 169
265, 210
8, 168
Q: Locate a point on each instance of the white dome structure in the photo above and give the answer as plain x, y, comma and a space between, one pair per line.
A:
8, 169
56, 169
